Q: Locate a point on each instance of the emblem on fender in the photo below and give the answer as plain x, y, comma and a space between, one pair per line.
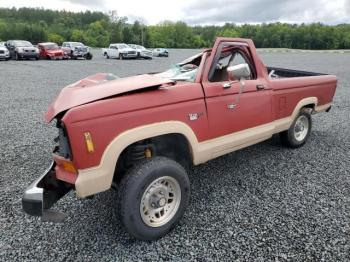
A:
194, 116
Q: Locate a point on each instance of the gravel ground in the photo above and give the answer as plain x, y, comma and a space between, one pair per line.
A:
265, 202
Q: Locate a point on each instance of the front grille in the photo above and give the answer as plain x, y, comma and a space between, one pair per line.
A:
131, 52
81, 49
2, 52
63, 143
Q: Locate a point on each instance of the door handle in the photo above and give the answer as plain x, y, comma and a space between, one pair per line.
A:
260, 87
226, 85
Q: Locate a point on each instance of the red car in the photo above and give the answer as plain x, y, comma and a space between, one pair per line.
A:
51, 51
141, 133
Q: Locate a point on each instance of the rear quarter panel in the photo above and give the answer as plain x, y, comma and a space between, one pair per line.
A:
287, 92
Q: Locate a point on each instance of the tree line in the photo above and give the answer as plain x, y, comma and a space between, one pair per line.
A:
99, 29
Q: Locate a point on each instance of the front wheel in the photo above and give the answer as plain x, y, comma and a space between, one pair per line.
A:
298, 133
153, 198
88, 56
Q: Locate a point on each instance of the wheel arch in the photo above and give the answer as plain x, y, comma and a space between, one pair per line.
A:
97, 179
309, 103
174, 146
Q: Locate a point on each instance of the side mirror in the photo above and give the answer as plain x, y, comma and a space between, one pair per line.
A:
241, 71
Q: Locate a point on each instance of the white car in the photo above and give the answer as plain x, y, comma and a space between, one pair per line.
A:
120, 51
4, 52
142, 52
160, 52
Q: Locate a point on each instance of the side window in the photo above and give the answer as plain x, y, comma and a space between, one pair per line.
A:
229, 56
238, 59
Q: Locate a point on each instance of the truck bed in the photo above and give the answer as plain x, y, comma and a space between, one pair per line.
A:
276, 72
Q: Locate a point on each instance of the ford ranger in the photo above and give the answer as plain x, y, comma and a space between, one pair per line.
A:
141, 134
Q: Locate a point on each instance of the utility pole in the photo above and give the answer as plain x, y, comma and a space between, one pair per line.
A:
142, 35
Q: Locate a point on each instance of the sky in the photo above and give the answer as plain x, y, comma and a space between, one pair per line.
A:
204, 12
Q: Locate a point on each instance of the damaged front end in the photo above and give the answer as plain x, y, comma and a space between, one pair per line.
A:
44, 192
54, 183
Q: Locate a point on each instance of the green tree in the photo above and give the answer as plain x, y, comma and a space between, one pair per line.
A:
56, 38
77, 35
96, 35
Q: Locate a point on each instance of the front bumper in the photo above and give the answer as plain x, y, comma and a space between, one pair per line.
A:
79, 54
127, 55
57, 57
146, 55
4, 56
44, 192
28, 55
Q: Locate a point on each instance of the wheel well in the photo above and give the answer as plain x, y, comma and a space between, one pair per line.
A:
312, 106
174, 146
309, 106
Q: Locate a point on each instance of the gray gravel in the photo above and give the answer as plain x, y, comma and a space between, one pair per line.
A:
265, 202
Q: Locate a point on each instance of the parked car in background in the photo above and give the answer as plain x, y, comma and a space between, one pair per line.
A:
77, 50
4, 52
142, 52
21, 49
120, 51
160, 52
51, 51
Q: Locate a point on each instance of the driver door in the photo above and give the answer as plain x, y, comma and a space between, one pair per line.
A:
230, 107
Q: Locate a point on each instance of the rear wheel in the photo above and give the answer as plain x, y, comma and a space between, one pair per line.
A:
299, 131
153, 197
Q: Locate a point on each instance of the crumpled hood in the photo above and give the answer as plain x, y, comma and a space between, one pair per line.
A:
97, 87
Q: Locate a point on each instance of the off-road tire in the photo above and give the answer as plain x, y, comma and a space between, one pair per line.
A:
288, 137
131, 191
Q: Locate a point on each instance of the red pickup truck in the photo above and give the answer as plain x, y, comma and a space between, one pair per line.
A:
142, 133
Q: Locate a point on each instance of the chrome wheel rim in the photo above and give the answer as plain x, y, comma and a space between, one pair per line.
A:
160, 201
301, 128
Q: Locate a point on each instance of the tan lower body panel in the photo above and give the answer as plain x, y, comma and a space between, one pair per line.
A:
322, 108
97, 179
